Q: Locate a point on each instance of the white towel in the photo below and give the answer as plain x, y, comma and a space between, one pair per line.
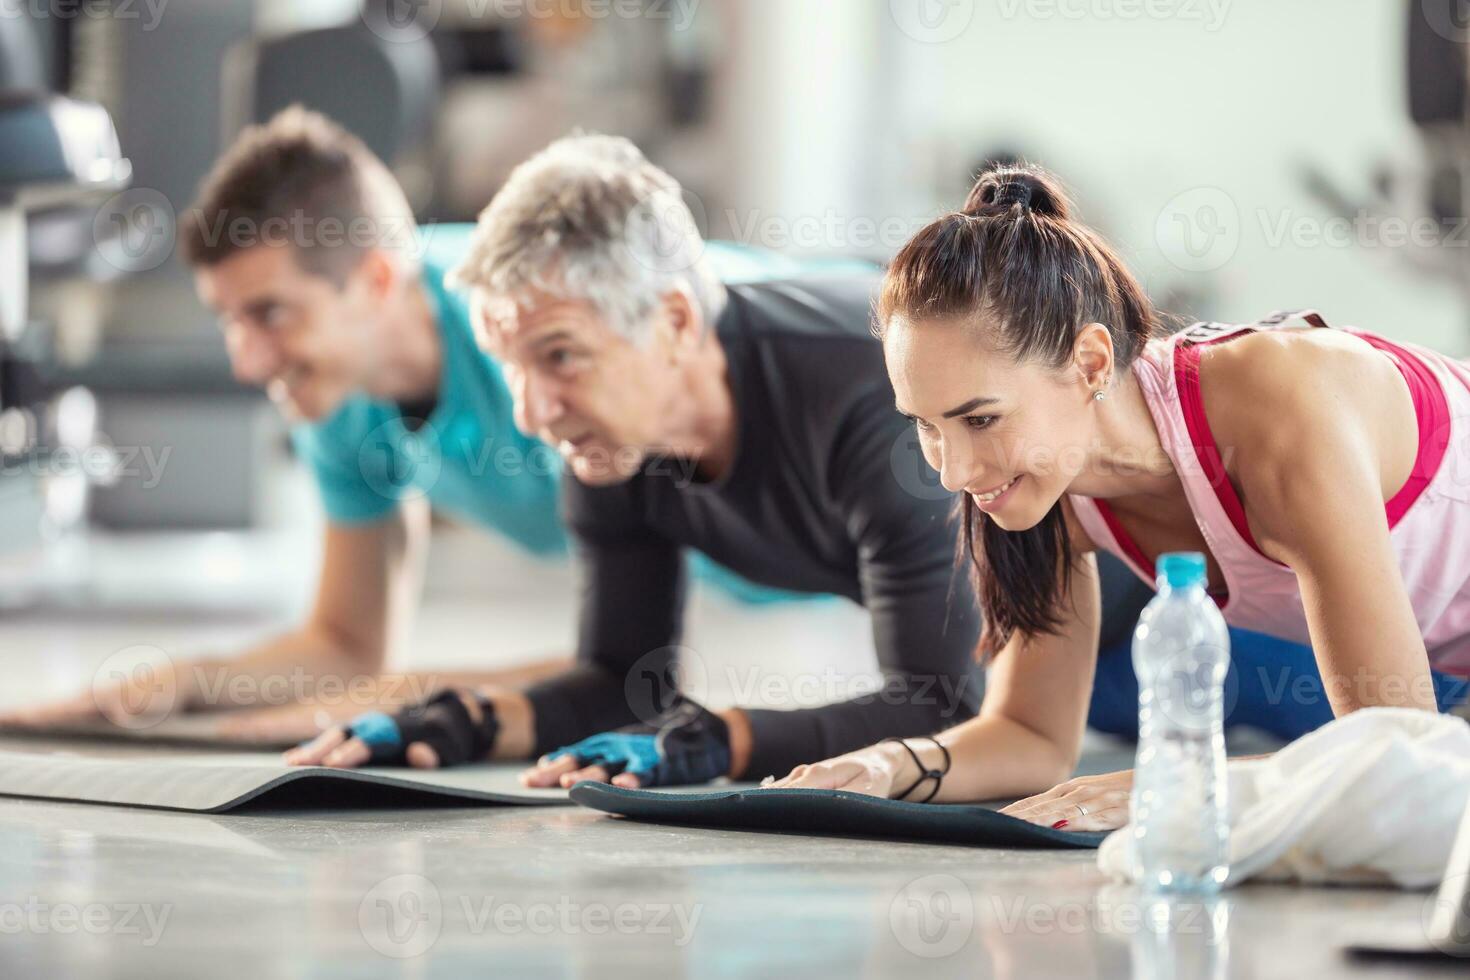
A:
1372, 798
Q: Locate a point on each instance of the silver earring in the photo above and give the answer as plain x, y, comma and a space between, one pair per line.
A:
1098, 396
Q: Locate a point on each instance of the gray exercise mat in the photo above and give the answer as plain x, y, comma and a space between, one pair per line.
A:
200, 729
219, 783
825, 812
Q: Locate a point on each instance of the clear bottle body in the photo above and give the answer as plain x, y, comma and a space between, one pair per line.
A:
1179, 811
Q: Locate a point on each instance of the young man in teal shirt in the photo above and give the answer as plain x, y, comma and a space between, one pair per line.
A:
456, 446
334, 301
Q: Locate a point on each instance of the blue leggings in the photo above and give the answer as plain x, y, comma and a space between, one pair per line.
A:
1273, 685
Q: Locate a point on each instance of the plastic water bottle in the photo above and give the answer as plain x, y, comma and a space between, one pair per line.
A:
1181, 652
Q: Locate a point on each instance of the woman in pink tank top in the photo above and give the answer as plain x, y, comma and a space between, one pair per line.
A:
1324, 473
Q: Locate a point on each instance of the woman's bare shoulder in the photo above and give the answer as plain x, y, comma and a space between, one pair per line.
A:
1269, 391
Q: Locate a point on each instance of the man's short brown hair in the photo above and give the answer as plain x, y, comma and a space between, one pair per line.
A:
300, 180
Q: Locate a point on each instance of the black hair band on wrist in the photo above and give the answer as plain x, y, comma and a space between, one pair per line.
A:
488, 729
924, 772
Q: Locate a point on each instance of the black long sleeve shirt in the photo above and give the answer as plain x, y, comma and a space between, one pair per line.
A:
827, 493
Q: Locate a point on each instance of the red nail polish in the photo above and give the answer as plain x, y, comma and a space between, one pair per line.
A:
1059, 825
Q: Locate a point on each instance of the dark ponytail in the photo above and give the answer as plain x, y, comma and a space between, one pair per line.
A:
1015, 254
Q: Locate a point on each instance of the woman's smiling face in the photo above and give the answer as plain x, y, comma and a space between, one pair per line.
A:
1012, 435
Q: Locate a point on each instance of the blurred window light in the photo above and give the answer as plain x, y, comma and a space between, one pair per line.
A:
286, 16
17, 431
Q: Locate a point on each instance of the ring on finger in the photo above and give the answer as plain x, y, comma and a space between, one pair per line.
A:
1080, 808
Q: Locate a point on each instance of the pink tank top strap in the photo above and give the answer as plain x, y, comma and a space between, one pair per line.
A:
1180, 356
1431, 410
1187, 352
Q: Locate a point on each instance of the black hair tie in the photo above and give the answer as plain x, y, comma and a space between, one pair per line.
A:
1013, 192
924, 772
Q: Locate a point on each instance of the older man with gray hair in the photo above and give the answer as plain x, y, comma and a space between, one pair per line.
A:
753, 423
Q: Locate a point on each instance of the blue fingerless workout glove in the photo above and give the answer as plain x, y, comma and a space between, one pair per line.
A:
686, 744
443, 723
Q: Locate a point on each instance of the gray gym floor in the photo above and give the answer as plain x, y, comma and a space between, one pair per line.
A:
566, 892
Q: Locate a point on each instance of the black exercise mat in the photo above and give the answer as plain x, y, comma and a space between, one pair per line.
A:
829, 813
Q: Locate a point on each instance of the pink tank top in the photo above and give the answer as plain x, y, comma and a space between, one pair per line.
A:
1429, 518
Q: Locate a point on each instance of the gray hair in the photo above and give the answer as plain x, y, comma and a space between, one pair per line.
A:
589, 218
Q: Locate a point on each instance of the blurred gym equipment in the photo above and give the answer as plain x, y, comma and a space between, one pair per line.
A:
1434, 190
58, 157
384, 91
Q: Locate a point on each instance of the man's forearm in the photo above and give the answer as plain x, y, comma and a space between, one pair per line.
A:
780, 740
585, 700
516, 716
282, 670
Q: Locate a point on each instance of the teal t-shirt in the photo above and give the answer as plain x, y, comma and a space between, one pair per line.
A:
467, 457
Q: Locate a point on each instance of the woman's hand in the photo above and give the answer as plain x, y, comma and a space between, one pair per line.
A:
1104, 798
878, 770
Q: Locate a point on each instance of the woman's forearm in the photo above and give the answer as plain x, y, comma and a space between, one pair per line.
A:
993, 757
